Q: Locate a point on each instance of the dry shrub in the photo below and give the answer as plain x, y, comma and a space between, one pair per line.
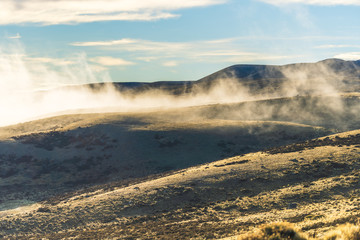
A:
274, 231
344, 232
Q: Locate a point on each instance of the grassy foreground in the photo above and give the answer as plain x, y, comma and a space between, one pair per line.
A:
286, 231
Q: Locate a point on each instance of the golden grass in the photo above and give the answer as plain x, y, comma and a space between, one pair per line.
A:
274, 231
287, 231
344, 232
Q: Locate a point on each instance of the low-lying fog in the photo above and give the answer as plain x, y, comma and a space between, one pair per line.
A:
31, 88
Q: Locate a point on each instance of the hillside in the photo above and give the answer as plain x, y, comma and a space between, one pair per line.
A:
314, 184
269, 78
61, 154
259, 79
214, 167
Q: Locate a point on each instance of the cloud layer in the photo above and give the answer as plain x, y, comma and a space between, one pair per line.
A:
48, 12
111, 61
313, 2
221, 50
349, 56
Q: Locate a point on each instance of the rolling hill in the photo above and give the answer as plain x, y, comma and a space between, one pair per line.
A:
260, 79
207, 171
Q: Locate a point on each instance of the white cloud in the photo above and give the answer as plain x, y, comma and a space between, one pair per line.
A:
17, 36
328, 46
220, 50
312, 2
349, 56
241, 57
170, 64
98, 68
104, 43
49, 12
133, 45
226, 53
53, 61
148, 59
111, 61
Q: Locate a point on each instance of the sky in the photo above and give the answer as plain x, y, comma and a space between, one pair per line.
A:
163, 40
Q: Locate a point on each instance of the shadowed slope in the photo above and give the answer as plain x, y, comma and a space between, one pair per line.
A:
315, 188
55, 155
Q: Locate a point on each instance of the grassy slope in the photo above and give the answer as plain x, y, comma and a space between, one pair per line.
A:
316, 187
313, 184
56, 155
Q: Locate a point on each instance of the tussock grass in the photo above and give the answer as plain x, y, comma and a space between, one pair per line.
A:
274, 231
287, 231
344, 232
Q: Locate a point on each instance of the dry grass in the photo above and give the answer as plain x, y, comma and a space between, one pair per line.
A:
285, 230
274, 231
313, 184
344, 232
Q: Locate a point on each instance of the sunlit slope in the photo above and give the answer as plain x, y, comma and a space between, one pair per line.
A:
61, 154
313, 184
38, 165
338, 111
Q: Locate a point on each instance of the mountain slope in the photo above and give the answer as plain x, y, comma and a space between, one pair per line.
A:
259, 79
271, 78
46, 157
42, 158
314, 185
207, 171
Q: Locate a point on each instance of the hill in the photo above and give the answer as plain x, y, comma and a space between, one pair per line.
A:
211, 168
260, 79
313, 184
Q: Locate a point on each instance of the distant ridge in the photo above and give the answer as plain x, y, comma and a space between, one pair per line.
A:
256, 77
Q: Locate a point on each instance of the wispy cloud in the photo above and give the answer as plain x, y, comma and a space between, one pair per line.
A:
312, 2
147, 59
220, 50
104, 43
17, 36
170, 64
49, 12
53, 61
348, 56
133, 45
111, 61
329, 46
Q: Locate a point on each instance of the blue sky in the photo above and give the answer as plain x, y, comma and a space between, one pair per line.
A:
157, 40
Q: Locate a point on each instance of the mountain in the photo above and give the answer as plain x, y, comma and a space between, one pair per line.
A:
272, 72
260, 79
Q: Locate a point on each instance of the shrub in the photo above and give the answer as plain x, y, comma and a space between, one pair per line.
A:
344, 232
274, 231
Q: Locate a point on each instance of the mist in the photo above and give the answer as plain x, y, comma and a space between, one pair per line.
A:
31, 88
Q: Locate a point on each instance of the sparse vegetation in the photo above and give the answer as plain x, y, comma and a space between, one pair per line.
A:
287, 231
275, 231
344, 232
120, 178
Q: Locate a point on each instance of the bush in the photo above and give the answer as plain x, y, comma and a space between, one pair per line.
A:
274, 231
286, 231
344, 232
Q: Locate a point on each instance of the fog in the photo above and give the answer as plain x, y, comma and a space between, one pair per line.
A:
31, 88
